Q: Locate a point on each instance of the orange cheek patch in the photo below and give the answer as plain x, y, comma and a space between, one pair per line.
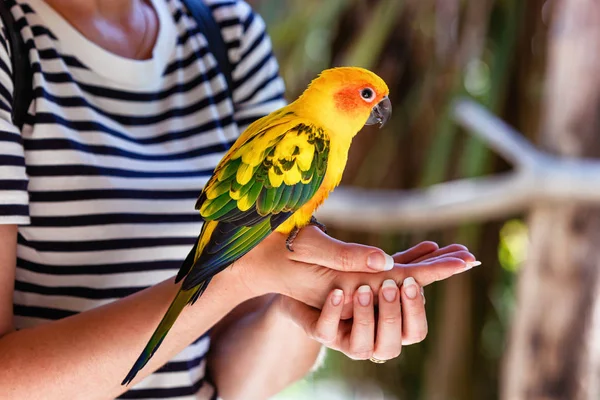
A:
348, 100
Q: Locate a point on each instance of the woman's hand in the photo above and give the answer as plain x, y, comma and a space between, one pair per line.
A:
377, 332
372, 333
324, 273
320, 264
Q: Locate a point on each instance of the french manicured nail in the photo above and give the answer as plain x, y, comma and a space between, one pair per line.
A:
471, 264
410, 288
336, 297
364, 295
380, 261
389, 289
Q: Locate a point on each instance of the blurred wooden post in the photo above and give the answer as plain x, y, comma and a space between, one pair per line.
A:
554, 350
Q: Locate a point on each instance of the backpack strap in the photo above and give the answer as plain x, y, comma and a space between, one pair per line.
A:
22, 75
207, 24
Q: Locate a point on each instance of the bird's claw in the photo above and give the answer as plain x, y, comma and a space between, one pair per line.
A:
294, 233
291, 237
313, 221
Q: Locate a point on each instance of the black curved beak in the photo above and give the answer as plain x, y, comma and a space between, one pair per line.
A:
380, 113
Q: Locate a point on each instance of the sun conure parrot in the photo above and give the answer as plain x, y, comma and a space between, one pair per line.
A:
280, 169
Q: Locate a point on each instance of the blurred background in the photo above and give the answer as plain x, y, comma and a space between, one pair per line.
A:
429, 52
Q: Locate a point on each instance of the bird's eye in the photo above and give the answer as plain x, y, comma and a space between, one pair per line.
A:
367, 94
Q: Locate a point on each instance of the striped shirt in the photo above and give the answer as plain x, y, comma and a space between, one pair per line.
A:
103, 178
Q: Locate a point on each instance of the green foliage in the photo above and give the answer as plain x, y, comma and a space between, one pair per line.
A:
512, 251
512, 248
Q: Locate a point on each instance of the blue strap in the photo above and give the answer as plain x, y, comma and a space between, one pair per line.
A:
207, 24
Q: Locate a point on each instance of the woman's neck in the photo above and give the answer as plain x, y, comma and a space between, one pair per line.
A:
125, 27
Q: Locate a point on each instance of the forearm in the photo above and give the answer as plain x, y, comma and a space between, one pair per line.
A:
260, 353
87, 355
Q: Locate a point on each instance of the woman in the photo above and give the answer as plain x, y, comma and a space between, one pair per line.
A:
129, 118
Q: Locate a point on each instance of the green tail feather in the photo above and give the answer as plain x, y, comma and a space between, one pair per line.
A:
181, 300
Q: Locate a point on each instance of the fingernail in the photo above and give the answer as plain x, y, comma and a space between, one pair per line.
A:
336, 297
364, 295
389, 289
471, 264
380, 261
410, 288
423, 294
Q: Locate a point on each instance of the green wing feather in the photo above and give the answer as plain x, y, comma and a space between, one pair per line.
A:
264, 178
183, 297
287, 165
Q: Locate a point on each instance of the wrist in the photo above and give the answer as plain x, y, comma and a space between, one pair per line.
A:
257, 275
232, 286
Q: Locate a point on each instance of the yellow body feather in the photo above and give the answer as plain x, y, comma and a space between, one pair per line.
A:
316, 106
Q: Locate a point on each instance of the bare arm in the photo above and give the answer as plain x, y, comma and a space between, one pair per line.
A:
8, 257
87, 355
258, 334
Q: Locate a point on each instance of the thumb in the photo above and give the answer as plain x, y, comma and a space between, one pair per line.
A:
312, 246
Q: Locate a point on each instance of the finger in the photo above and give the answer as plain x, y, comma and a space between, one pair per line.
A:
420, 250
429, 272
444, 250
326, 328
414, 320
348, 309
462, 254
362, 337
424, 273
388, 342
312, 246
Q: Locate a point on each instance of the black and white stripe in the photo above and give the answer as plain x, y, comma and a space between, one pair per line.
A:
102, 180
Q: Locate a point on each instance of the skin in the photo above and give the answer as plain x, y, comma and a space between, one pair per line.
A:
263, 306
124, 27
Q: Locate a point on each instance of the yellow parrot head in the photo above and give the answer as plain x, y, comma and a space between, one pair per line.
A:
348, 97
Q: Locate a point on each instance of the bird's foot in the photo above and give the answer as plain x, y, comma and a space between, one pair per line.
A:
294, 233
322, 227
291, 237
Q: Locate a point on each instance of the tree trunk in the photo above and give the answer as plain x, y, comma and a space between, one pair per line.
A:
554, 351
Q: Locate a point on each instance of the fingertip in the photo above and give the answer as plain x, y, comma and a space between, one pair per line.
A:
363, 295
337, 295
380, 261
389, 262
456, 247
388, 291
429, 243
471, 264
410, 288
